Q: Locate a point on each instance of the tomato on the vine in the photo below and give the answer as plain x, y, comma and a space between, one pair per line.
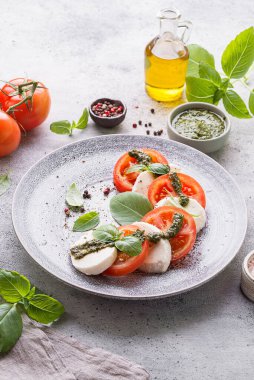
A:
9, 134
26, 101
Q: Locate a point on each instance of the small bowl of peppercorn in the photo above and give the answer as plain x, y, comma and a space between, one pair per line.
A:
107, 112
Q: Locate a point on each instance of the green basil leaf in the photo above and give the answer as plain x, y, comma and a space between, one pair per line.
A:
74, 196
62, 127
218, 96
208, 72
10, 326
106, 233
31, 293
44, 309
238, 56
13, 286
129, 207
251, 102
225, 84
198, 54
159, 169
235, 106
4, 183
86, 222
82, 123
200, 90
130, 245
136, 168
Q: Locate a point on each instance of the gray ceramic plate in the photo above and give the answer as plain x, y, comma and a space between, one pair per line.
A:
41, 226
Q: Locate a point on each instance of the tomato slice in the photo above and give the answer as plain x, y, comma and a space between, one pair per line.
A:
182, 243
124, 181
125, 264
162, 187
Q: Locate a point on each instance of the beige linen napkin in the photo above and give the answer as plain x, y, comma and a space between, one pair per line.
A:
44, 354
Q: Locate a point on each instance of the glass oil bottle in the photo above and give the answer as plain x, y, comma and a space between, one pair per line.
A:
166, 58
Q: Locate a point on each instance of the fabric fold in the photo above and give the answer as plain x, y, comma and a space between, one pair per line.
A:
43, 353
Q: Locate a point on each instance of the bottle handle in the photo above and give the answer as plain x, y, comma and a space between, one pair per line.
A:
187, 25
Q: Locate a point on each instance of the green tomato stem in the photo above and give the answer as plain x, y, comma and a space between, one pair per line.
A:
26, 98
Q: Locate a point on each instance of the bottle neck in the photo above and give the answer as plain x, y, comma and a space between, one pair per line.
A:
168, 28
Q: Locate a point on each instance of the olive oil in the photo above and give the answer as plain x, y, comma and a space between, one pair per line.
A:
166, 59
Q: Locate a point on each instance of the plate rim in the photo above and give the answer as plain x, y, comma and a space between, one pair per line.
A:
106, 294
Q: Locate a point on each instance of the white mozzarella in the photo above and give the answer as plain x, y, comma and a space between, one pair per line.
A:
142, 183
96, 262
193, 208
159, 256
145, 179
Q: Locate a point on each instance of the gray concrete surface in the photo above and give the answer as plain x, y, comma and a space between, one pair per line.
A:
87, 49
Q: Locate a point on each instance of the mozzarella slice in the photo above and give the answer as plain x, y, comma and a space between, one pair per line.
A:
142, 183
193, 208
159, 256
145, 179
96, 262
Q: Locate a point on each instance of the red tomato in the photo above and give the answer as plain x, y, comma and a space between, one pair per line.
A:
32, 113
161, 187
124, 181
9, 134
124, 263
182, 243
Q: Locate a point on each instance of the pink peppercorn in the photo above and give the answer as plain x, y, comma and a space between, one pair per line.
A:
107, 109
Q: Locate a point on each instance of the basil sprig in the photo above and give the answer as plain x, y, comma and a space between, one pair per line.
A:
20, 298
74, 196
129, 207
136, 168
108, 233
158, 169
64, 127
155, 168
130, 244
86, 222
4, 183
205, 84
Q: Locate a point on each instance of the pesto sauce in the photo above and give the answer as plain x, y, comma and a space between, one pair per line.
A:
199, 124
90, 246
177, 186
140, 156
175, 227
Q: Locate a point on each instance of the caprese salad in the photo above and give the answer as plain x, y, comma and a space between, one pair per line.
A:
160, 210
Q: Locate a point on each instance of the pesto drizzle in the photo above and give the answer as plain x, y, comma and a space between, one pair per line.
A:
177, 186
170, 233
90, 246
95, 245
140, 156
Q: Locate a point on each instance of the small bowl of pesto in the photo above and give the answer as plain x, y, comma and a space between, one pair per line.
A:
200, 125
